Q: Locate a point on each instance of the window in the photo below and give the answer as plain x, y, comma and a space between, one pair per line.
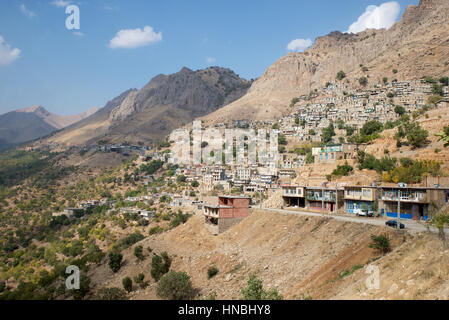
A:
366, 193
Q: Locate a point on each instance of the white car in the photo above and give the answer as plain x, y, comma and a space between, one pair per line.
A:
360, 212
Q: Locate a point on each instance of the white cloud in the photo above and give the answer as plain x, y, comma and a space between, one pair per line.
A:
7, 54
299, 45
210, 60
377, 17
133, 38
61, 3
26, 12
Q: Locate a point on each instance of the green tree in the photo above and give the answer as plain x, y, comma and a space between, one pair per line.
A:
83, 291
371, 127
195, 184
417, 137
341, 75
255, 291
127, 284
328, 133
138, 252
440, 221
115, 261
160, 265
175, 286
212, 272
363, 81
385, 80
399, 110
380, 243
444, 136
444, 81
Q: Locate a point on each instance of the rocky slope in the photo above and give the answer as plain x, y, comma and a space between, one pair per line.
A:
301, 257
416, 46
31, 123
165, 103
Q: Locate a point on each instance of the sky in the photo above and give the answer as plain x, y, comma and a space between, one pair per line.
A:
50, 57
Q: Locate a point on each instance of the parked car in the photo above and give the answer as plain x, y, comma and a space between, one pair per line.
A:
394, 224
361, 212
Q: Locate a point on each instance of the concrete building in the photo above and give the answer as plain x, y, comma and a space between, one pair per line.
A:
324, 199
228, 212
417, 203
357, 197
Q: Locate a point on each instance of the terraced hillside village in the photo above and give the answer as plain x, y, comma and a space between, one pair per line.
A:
362, 141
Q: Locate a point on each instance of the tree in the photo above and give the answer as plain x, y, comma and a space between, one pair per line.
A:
444, 81
327, 134
195, 184
385, 80
417, 137
380, 243
138, 252
395, 71
115, 261
341, 75
399, 110
440, 221
181, 179
212, 272
312, 132
255, 291
363, 81
175, 286
371, 127
160, 265
444, 136
127, 284
79, 294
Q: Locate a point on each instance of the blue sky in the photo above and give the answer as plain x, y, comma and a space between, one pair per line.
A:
69, 71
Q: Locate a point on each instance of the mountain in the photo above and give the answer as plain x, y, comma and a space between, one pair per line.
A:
416, 46
31, 123
165, 103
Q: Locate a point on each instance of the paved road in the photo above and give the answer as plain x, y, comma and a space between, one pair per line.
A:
411, 226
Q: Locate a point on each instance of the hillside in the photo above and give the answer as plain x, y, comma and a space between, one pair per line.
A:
165, 103
416, 46
301, 257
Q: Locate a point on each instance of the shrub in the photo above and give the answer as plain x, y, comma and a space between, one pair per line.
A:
371, 127
111, 294
160, 265
341, 75
139, 278
138, 252
175, 286
380, 243
115, 261
156, 230
417, 137
179, 219
195, 184
255, 291
79, 294
343, 170
212, 272
363, 81
127, 284
399, 110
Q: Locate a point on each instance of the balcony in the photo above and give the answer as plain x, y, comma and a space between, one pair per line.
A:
405, 197
318, 197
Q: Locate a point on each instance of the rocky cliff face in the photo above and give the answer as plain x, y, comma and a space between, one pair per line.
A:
416, 46
165, 103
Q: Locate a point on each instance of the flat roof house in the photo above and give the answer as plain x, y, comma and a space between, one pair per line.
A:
324, 199
356, 197
415, 203
228, 212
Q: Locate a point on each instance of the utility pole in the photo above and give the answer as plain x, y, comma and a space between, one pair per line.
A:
322, 201
399, 210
